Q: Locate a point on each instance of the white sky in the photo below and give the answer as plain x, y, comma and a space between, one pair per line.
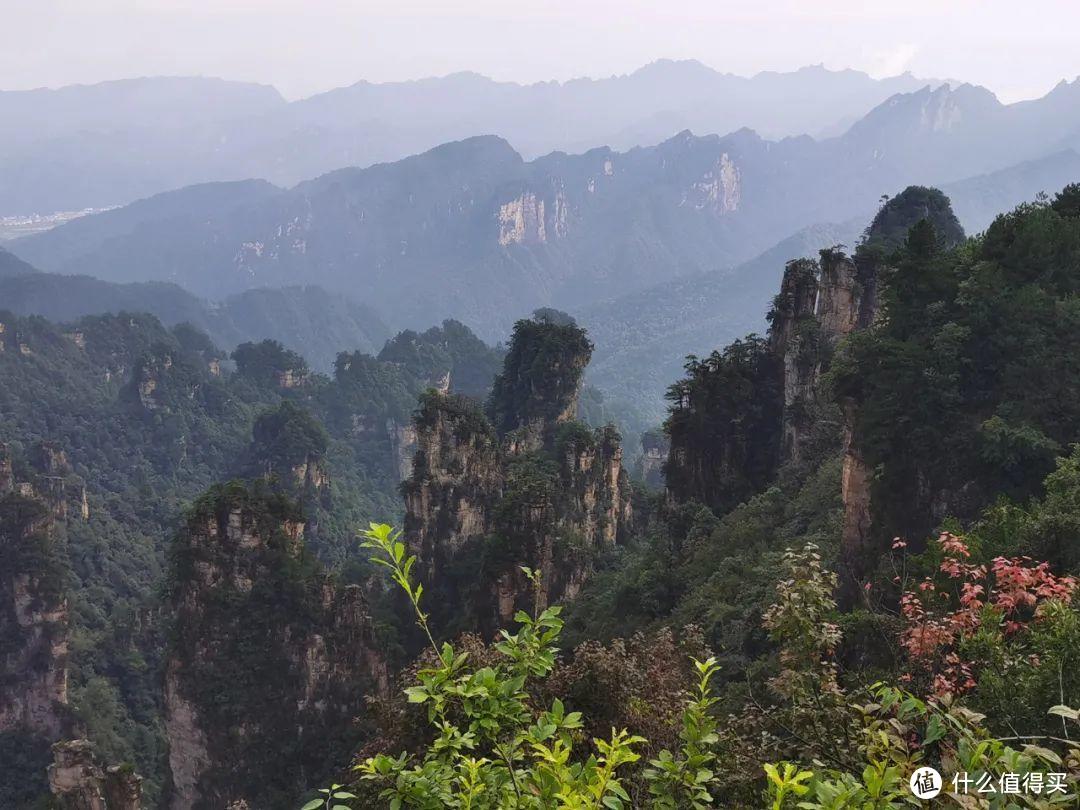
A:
1018, 49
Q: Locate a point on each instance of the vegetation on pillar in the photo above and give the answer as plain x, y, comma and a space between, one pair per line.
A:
724, 425
541, 374
967, 387
287, 436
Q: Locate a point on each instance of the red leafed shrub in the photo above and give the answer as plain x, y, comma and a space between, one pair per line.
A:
1006, 597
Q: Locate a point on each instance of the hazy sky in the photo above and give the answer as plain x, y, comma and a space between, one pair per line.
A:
1018, 49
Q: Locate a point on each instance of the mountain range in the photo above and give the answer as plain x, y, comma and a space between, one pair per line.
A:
472, 230
659, 250
109, 144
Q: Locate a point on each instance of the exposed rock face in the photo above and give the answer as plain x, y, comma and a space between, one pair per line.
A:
7, 477
794, 337
532, 219
266, 647
311, 474
819, 304
189, 757
655, 447
598, 488
547, 493
33, 606
78, 782
850, 301
403, 439
456, 479
291, 378
846, 297
522, 220
720, 190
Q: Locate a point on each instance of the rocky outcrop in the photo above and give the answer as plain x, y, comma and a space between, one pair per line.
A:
719, 190
33, 604
532, 219
743, 413
404, 439
655, 447
794, 337
311, 475
596, 487
456, 479
538, 387
850, 300
78, 782
266, 646
543, 491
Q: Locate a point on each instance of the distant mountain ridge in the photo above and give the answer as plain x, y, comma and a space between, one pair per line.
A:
108, 144
307, 320
471, 230
12, 265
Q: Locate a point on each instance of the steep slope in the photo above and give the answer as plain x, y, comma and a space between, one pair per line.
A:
464, 230
642, 338
265, 646
523, 485
119, 424
921, 386
742, 413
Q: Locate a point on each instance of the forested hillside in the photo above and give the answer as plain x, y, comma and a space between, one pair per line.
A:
307, 320
880, 491
863, 561
112, 426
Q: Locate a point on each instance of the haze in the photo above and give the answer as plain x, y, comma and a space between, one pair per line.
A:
306, 47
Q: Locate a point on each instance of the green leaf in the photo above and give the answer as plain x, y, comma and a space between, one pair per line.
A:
314, 803
935, 730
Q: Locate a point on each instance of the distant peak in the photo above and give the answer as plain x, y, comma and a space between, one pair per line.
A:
681, 67
476, 147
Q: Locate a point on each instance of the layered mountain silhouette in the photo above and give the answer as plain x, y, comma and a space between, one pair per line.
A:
307, 320
109, 144
472, 230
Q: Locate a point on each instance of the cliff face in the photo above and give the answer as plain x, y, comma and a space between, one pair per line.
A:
743, 413
265, 647
820, 302
456, 479
529, 486
655, 446
794, 337
77, 781
33, 605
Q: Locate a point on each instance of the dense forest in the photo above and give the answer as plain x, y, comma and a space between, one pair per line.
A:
139, 421
860, 562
